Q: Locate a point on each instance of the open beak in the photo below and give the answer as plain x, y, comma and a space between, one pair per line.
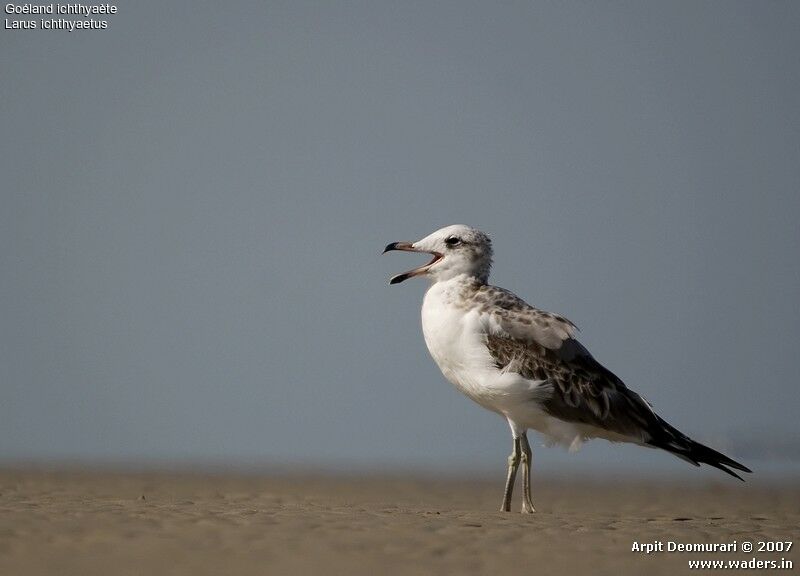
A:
409, 247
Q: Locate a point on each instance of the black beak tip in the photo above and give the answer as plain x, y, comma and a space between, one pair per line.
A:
390, 247
397, 279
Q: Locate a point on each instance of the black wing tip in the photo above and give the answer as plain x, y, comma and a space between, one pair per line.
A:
719, 460
728, 470
738, 466
696, 454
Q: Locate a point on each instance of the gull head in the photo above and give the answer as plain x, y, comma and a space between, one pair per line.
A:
457, 250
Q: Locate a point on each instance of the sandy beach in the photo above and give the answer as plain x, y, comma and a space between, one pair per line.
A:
157, 523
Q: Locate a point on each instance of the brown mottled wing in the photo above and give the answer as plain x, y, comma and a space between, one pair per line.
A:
505, 314
577, 387
540, 346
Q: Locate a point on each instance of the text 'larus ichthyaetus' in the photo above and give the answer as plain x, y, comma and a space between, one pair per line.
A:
526, 365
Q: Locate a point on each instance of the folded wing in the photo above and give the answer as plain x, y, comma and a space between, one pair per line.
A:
577, 388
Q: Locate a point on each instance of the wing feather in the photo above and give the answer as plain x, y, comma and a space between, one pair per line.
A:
578, 388
575, 387
506, 314
541, 346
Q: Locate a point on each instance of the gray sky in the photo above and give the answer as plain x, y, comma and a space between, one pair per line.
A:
194, 202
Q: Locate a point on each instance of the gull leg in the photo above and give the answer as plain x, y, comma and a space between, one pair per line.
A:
526, 459
513, 464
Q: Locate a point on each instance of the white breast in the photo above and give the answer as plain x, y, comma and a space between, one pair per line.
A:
456, 340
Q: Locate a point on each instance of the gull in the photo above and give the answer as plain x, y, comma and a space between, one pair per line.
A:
526, 365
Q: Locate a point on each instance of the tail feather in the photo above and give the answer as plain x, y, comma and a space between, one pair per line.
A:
677, 443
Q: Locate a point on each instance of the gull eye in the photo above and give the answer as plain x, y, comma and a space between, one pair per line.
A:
452, 241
